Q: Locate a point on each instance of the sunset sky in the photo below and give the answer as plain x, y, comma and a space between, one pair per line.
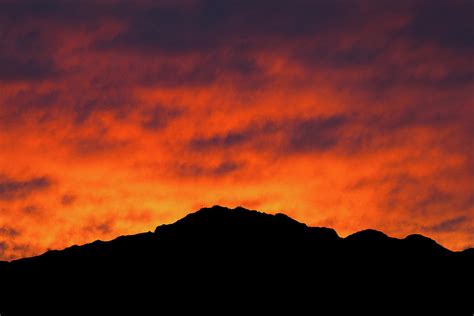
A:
118, 116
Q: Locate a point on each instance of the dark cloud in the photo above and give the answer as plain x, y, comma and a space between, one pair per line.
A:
234, 138
159, 117
3, 249
31, 8
100, 142
346, 134
433, 199
98, 97
164, 29
21, 250
237, 69
31, 209
10, 232
26, 54
79, 105
398, 181
11, 249
224, 38
416, 195
96, 146
316, 134
226, 167
172, 75
68, 199
26, 101
16, 69
447, 23
414, 117
453, 224
230, 139
67, 13
103, 228
208, 25
390, 77
196, 170
11, 189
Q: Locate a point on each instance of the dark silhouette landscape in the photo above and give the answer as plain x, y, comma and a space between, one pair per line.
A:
220, 259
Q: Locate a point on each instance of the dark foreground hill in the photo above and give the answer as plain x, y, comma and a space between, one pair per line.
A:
223, 261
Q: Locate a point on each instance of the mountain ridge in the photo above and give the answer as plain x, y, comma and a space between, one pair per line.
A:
195, 217
215, 252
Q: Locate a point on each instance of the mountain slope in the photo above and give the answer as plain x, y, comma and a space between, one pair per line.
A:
241, 258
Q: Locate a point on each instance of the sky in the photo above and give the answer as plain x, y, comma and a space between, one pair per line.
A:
118, 116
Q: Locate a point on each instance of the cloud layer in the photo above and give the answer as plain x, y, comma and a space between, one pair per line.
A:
116, 116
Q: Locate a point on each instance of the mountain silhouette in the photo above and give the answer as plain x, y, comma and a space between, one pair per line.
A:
220, 260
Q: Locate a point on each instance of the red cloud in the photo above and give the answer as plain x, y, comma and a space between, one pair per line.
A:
347, 114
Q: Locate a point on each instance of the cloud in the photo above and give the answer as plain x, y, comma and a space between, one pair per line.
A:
317, 134
15, 69
418, 196
234, 138
29, 100
12, 189
94, 146
10, 232
346, 134
230, 139
31, 209
68, 199
3, 249
129, 103
26, 53
58, 12
10, 250
208, 25
159, 117
243, 71
95, 98
450, 225
198, 170
101, 228
448, 24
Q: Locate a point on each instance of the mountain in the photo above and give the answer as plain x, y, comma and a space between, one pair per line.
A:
221, 260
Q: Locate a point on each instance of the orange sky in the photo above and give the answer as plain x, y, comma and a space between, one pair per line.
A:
116, 117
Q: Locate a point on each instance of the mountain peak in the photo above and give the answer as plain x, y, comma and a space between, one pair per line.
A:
368, 235
220, 216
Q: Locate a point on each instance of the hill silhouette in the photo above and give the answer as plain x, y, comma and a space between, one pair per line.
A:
221, 260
